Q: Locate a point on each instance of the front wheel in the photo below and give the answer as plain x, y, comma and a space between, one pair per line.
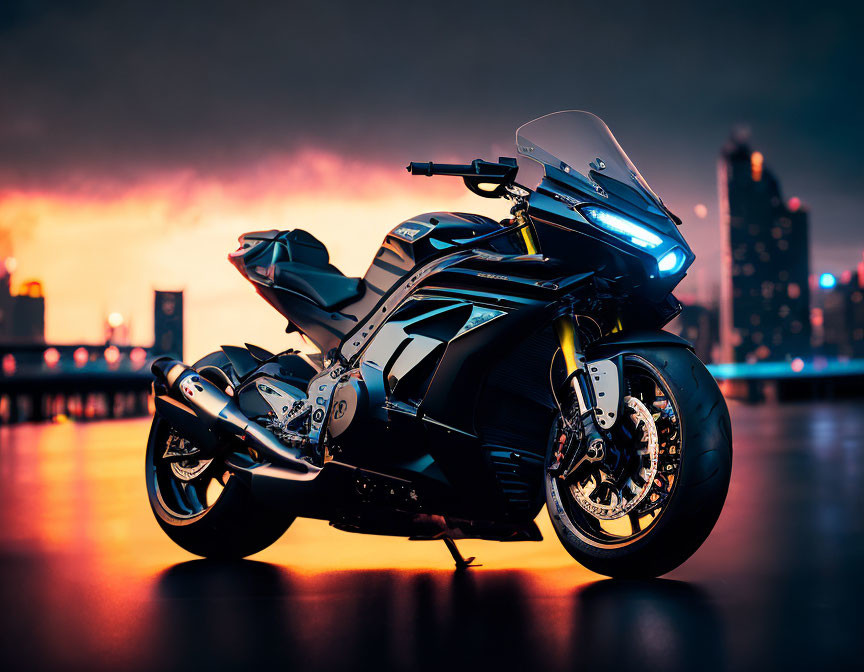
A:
654, 496
198, 504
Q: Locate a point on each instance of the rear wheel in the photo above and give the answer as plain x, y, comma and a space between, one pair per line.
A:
198, 504
656, 493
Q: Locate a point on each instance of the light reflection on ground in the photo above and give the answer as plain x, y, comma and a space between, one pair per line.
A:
89, 580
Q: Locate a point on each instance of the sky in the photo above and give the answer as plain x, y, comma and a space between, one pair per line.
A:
139, 139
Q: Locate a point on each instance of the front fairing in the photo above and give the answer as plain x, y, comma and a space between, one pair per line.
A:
566, 236
585, 168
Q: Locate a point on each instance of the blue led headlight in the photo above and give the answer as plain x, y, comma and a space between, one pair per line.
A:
622, 227
671, 262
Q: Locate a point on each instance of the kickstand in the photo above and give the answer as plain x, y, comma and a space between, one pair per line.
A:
461, 563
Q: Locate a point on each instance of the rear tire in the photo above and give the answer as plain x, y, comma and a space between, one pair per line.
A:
696, 500
233, 526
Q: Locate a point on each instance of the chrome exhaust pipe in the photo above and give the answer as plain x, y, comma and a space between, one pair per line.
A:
214, 411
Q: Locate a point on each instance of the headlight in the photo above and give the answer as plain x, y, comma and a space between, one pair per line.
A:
621, 226
671, 262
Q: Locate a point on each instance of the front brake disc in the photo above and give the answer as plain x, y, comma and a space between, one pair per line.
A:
598, 495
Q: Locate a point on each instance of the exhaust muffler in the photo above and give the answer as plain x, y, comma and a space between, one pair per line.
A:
204, 411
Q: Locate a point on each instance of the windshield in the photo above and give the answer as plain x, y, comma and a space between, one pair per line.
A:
578, 149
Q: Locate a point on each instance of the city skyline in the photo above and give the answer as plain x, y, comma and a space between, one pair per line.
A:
702, 286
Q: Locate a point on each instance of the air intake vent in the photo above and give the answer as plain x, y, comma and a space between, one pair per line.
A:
514, 418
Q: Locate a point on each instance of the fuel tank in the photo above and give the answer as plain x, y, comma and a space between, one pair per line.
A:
410, 244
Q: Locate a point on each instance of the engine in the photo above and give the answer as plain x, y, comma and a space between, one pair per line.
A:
349, 406
335, 405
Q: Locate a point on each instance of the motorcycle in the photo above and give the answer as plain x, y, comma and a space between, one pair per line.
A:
478, 371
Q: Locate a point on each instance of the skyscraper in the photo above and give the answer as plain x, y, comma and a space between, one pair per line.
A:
168, 324
765, 295
22, 316
838, 314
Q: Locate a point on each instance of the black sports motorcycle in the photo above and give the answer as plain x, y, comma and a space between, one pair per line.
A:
477, 371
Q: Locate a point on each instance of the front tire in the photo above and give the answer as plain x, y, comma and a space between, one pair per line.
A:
692, 504
201, 507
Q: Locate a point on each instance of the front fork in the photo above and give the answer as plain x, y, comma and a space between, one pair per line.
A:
580, 380
577, 374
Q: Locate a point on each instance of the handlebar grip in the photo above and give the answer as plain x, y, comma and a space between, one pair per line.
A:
429, 168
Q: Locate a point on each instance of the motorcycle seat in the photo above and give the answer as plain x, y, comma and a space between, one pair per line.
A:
308, 271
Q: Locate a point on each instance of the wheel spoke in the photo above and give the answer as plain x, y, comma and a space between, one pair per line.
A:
187, 486
179, 496
195, 495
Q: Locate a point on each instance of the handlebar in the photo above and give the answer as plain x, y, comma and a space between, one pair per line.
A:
429, 169
479, 175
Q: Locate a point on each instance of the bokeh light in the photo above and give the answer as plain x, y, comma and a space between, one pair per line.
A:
9, 364
80, 356
138, 356
51, 357
112, 355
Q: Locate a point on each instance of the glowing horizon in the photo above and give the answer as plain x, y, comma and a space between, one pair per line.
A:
123, 241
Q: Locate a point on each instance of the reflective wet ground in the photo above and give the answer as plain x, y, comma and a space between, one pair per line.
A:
88, 581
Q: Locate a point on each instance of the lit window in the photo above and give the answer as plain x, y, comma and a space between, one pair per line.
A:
756, 161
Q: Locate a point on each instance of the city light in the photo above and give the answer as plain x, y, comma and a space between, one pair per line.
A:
797, 365
8, 364
11, 264
794, 203
827, 281
112, 354
33, 289
701, 210
51, 357
115, 320
756, 161
80, 356
138, 356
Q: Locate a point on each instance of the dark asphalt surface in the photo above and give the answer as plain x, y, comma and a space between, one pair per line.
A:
89, 582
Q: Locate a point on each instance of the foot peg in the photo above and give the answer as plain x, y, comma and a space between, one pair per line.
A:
461, 563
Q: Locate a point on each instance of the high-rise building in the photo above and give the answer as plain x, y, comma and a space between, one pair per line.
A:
168, 324
838, 314
6, 305
765, 295
22, 316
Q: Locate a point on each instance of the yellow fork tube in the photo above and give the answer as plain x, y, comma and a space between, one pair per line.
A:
567, 339
581, 383
566, 331
527, 233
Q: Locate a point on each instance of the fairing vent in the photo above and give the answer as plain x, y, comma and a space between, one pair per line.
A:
517, 475
514, 419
